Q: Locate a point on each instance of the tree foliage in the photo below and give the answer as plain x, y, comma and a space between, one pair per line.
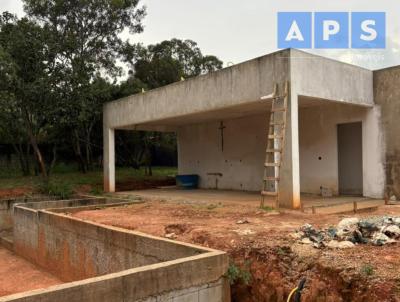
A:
156, 66
87, 41
28, 103
60, 64
169, 61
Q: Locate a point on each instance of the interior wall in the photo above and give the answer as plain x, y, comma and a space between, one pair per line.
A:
319, 149
241, 161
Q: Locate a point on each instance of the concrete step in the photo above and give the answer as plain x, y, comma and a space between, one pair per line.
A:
344, 207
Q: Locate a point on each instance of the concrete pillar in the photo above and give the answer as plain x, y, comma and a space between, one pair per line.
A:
109, 159
289, 186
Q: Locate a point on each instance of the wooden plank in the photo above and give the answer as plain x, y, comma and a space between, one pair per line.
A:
273, 136
279, 109
272, 164
281, 123
266, 193
270, 178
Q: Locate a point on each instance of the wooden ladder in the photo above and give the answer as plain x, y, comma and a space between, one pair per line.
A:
275, 144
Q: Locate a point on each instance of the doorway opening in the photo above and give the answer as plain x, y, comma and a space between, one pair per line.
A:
350, 159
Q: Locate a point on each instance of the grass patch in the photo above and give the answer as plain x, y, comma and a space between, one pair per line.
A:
61, 190
267, 209
66, 178
367, 270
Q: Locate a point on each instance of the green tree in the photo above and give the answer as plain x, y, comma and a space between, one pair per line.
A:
28, 102
169, 61
156, 66
87, 35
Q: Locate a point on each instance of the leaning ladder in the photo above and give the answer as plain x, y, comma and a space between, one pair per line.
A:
275, 144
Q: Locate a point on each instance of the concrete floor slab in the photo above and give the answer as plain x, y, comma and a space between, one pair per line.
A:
334, 204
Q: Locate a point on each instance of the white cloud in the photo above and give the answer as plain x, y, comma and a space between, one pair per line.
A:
237, 30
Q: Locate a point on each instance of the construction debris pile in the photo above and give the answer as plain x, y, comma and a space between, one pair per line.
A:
351, 231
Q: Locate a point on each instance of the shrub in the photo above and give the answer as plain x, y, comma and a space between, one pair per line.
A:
236, 274
367, 270
59, 189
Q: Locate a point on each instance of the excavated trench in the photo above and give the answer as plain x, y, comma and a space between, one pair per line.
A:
275, 272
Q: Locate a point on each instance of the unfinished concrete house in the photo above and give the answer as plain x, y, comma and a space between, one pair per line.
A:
339, 132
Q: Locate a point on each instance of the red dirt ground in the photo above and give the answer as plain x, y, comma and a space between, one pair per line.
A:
18, 275
264, 246
15, 192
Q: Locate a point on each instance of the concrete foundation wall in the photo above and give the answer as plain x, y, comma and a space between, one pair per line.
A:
318, 138
240, 163
74, 250
122, 288
7, 206
387, 96
116, 264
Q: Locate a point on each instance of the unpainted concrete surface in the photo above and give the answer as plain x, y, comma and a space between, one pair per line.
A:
194, 107
110, 264
387, 97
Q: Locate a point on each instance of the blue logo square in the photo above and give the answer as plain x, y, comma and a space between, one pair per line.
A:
331, 30
368, 30
295, 30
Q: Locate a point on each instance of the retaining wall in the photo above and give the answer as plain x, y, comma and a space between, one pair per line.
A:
111, 264
6, 209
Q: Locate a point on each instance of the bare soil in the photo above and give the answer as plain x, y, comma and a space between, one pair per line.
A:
18, 275
261, 243
15, 192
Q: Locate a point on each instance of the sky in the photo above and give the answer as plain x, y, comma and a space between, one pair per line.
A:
237, 30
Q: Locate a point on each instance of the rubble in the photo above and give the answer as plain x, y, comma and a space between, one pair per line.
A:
334, 244
245, 232
349, 232
170, 235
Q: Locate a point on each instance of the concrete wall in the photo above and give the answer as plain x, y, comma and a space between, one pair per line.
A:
318, 138
132, 286
239, 84
387, 97
74, 250
196, 101
324, 78
120, 265
241, 161
7, 206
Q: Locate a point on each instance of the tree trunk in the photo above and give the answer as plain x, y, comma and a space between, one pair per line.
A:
27, 158
88, 145
54, 160
78, 152
38, 154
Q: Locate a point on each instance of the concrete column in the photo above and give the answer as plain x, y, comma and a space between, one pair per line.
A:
289, 186
109, 159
